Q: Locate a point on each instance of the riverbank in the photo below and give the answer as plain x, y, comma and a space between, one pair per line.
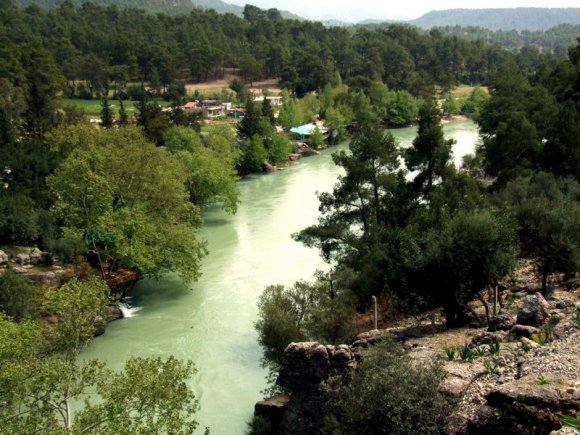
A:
529, 377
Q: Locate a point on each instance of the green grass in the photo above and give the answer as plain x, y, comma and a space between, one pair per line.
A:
93, 107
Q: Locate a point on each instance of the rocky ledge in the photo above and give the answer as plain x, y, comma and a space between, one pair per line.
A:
530, 378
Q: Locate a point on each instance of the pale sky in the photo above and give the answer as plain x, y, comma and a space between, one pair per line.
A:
357, 10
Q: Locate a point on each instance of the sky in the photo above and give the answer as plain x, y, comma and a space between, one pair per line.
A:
358, 10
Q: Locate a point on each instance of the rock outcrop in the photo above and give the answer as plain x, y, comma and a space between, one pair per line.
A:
535, 311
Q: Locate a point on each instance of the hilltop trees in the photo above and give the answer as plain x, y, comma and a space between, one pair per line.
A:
137, 216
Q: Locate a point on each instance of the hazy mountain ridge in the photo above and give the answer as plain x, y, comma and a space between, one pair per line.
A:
500, 19
225, 8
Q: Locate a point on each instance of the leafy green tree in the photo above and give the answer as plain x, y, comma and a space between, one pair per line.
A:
123, 117
268, 111
148, 396
335, 122
431, 152
254, 154
450, 105
389, 394
316, 138
106, 113
211, 175
401, 108
12, 108
16, 295
547, 213
475, 102
136, 216
290, 114
467, 253
279, 148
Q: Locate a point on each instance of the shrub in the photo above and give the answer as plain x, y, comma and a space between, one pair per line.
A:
390, 395
16, 295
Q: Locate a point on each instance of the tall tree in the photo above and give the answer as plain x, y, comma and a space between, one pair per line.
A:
431, 152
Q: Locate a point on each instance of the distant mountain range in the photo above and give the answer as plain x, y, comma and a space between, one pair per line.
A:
500, 19
493, 19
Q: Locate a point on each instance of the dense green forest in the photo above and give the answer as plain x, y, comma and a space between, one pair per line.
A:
118, 196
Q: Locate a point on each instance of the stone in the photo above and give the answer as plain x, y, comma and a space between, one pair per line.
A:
36, 256
268, 167
459, 377
114, 313
488, 338
272, 408
304, 366
3, 257
535, 311
22, 259
562, 304
501, 322
523, 331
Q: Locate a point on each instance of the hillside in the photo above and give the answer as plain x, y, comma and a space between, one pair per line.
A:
501, 19
224, 8
170, 7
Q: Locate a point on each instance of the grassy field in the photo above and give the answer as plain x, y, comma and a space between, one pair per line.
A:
93, 107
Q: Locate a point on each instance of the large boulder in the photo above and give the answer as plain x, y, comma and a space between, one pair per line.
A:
3, 258
535, 311
272, 408
304, 366
501, 322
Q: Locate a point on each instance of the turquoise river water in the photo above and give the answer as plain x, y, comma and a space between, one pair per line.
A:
211, 321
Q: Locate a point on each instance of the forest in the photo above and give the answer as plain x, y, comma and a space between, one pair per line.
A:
440, 239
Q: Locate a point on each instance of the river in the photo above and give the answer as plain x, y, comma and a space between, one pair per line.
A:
211, 321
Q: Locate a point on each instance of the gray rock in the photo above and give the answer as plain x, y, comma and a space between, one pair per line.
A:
501, 322
304, 366
523, 331
22, 259
3, 257
488, 337
36, 256
272, 408
562, 304
459, 377
535, 311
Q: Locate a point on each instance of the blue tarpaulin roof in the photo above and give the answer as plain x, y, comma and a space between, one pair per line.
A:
303, 130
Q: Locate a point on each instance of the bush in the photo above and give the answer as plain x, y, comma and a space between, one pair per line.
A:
390, 395
16, 295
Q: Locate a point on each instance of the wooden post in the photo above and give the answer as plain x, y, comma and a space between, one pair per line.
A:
375, 316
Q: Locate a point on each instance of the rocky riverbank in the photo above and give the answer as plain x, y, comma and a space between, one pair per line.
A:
517, 386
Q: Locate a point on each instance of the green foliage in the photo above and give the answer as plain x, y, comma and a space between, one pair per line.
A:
390, 395
136, 216
106, 113
569, 421
290, 114
490, 367
279, 148
450, 105
16, 295
450, 352
577, 315
211, 174
302, 312
548, 215
465, 353
254, 154
475, 102
541, 380
316, 138
431, 152
494, 348
259, 426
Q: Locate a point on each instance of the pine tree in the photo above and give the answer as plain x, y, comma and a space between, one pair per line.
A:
123, 117
106, 113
